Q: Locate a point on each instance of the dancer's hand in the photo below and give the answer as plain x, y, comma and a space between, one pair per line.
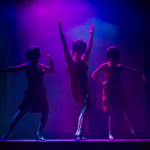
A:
144, 78
92, 29
48, 56
59, 23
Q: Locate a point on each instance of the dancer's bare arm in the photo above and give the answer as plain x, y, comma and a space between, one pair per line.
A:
51, 68
97, 72
87, 53
134, 70
19, 68
67, 55
131, 69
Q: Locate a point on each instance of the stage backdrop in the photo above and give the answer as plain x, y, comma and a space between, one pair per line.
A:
29, 23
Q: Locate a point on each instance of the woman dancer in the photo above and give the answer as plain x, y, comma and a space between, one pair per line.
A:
77, 68
35, 97
113, 95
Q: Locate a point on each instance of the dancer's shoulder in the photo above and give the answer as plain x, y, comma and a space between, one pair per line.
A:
103, 66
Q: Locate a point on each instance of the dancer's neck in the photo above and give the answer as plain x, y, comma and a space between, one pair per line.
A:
34, 63
112, 63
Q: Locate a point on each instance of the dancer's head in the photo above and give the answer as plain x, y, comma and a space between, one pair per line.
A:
78, 48
33, 53
112, 54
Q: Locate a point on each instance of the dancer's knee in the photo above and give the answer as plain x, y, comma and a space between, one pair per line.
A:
87, 109
21, 112
125, 112
44, 116
88, 104
112, 113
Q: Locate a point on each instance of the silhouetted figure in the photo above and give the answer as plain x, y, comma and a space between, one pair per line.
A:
113, 95
35, 97
78, 68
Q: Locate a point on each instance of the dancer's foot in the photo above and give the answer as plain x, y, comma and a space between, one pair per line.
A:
111, 137
5, 137
135, 135
39, 137
79, 136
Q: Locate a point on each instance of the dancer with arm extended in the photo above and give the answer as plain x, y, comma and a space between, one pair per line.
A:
78, 68
35, 97
113, 95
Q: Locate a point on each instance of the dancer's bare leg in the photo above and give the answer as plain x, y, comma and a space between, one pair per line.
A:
129, 121
83, 117
14, 121
111, 121
41, 126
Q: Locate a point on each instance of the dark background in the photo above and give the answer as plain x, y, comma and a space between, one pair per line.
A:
121, 23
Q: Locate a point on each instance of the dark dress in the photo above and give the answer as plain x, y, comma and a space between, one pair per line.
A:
113, 95
80, 85
35, 97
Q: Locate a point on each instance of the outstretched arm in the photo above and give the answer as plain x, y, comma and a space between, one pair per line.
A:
86, 55
131, 69
51, 68
98, 71
15, 69
65, 47
134, 70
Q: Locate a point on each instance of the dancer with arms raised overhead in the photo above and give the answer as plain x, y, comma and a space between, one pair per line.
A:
78, 68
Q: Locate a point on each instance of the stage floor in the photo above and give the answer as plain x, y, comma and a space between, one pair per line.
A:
71, 144
73, 140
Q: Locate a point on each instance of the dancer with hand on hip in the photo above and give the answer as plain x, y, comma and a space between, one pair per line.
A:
113, 95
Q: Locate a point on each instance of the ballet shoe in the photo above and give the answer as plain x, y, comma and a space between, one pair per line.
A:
5, 137
39, 137
111, 137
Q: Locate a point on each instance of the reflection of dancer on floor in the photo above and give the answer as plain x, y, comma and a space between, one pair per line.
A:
77, 68
113, 96
35, 97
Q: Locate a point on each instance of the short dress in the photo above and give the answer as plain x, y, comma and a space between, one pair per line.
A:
113, 95
35, 97
79, 82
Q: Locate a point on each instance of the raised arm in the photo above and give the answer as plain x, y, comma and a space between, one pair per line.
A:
86, 55
98, 71
67, 55
51, 68
15, 69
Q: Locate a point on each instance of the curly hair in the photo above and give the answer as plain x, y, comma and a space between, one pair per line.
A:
32, 51
113, 51
79, 45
